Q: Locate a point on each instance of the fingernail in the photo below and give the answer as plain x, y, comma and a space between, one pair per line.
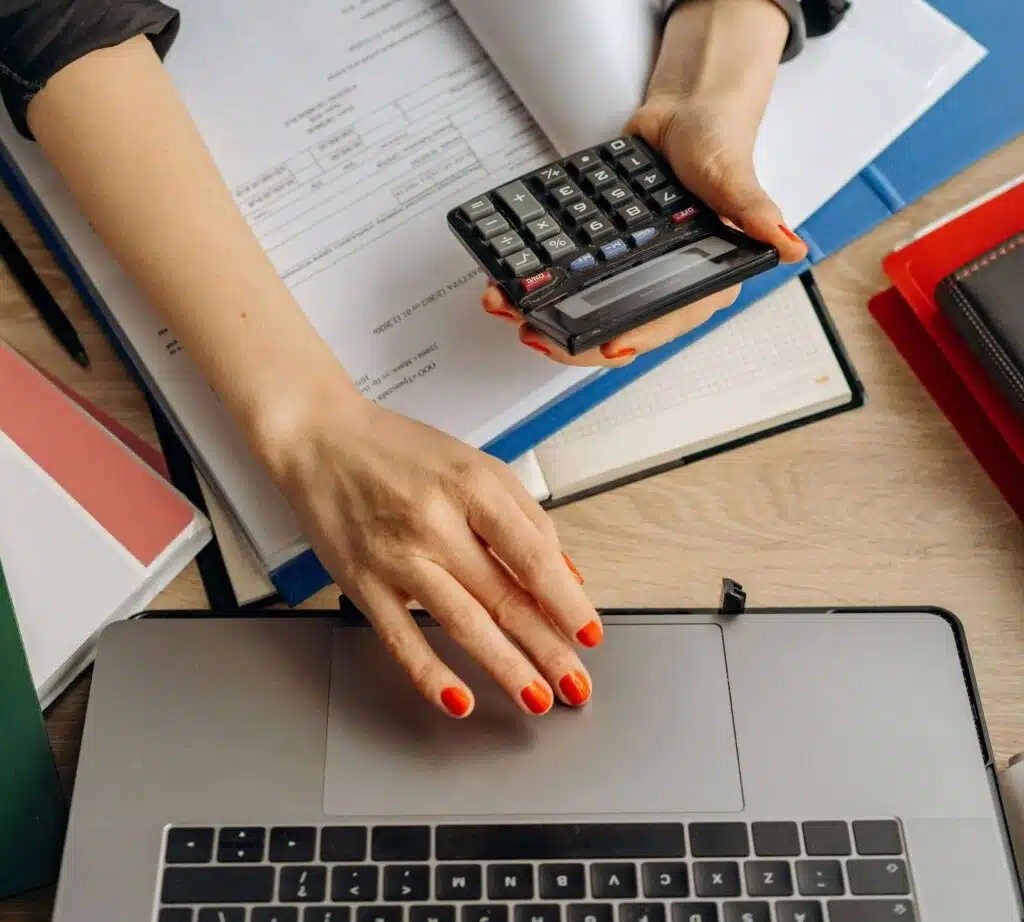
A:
456, 701
508, 315
790, 234
591, 634
619, 354
538, 346
572, 568
536, 697
575, 687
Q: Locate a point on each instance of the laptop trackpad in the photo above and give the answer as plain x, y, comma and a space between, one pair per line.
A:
657, 736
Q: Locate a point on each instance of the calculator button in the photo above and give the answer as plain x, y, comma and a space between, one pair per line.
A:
537, 281
559, 246
600, 178
634, 213
550, 175
634, 162
565, 193
646, 235
598, 229
543, 228
619, 146
477, 209
492, 226
578, 212
523, 263
649, 180
584, 161
667, 199
522, 204
507, 244
615, 195
614, 248
586, 261
686, 214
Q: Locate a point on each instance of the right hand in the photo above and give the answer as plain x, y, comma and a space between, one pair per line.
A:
399, 511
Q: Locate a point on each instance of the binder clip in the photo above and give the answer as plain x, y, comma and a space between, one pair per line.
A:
734, 599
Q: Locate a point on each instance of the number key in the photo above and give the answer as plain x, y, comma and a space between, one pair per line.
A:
578, 212
634, 162
598, 229
619, 146
649, 180
565, 193
667, 199
616, 195
632, 214
601, 178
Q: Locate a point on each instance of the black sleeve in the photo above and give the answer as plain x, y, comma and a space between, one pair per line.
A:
40, 37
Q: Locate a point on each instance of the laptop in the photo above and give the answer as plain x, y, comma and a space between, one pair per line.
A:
772, 766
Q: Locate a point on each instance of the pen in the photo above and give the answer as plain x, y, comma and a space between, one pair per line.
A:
41, 298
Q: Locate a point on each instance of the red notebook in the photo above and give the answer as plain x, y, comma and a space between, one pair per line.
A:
916, 268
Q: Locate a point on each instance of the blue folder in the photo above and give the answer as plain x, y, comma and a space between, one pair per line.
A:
982, 112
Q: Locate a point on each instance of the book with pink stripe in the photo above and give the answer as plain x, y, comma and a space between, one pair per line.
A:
89, 532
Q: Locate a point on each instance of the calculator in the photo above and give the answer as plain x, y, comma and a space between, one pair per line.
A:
602, 242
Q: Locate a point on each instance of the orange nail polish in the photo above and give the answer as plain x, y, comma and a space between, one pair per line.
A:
508, 315
591, 634
536, 697
789, 233
538, 346
575, 687
572, 568
456, 701
620, 354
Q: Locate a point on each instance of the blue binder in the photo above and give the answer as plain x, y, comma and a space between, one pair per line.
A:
982, 112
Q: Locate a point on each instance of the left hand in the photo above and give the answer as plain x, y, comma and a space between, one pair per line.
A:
709, 143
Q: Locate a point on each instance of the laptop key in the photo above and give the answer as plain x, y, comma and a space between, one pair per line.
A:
292, 844
459, 882
665, 879
642, 912
189, 846
241, 835
226, 914
174, 914
820, 878
747, 912
401, 843
694, 912
613, 881
776, 840
877, 877
303, 885
240, 854
562, 882
431, 914
550, 841
379, 914
353, 883
799, 911
326, 914
343, 843
719, 840
510, 882
877, 837
826, 839
537, 912
213, 885
482, 912
590, 912
275, 914
407, 883
768, 878
871, 911
716, 878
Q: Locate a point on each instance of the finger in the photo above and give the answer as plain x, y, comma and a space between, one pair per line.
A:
496, 304
470, 626
591, 358
404, 640
517, 613
671, 326
537, 562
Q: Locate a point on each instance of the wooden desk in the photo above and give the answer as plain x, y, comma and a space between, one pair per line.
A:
881, 506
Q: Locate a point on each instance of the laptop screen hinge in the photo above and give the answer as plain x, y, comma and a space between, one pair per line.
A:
734, 599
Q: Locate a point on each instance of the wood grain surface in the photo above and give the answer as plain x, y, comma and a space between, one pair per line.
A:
880, 506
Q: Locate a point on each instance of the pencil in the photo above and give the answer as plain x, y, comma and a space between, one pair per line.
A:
41, 298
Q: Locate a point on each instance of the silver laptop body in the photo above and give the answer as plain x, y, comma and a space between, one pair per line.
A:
766, 767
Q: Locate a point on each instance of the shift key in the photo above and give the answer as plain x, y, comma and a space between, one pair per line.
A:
218, 885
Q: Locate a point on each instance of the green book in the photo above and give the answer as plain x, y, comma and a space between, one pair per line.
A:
33, 809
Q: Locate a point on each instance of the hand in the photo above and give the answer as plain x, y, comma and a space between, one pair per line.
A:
399, 511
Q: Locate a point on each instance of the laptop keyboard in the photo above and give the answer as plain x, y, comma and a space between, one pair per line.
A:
832, 871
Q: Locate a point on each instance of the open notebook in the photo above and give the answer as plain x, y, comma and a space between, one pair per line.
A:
346, 165
89, 533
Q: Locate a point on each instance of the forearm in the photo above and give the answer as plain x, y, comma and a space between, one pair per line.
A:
716, 47
116, 130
